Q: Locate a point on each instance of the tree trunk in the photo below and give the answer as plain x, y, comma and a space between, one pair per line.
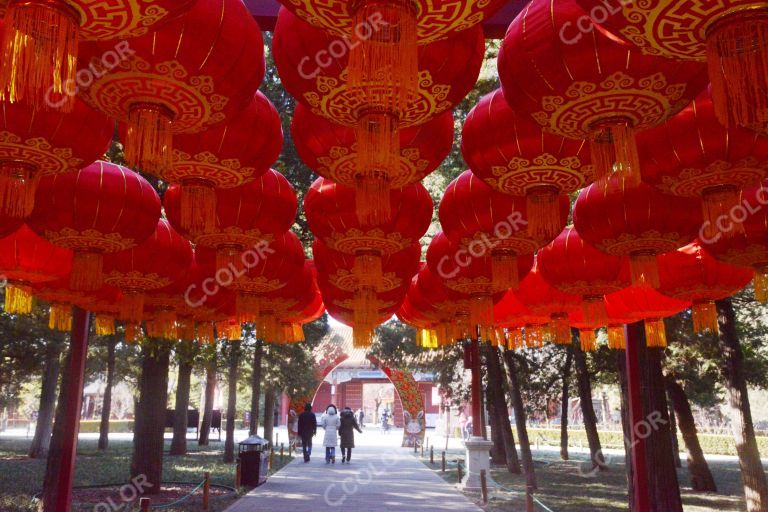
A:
106, 404
752, 473
505, 427
181, 410
673, 433
566, 403
269, 414
149, 426
258, 354
210, 390
701, 476
621, 364
587, 407
41, 442
234, 363
496, 404
520, 420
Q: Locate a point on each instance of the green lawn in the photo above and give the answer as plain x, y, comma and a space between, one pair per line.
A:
21, 478
563, 487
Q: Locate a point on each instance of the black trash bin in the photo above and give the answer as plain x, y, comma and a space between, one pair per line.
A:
254, 461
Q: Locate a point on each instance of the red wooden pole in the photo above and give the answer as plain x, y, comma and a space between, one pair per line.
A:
636, 418
477, 385
79, 350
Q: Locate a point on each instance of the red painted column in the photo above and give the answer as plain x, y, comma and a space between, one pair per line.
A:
636, 418
472, 359
79, 350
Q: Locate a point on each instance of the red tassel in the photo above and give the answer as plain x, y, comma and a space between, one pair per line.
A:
86, 271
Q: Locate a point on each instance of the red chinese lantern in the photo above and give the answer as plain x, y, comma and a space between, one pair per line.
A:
330, 211
648, 305
27, 260
155, 263
588, 85
692, 274
638, 221
512, 154
382, 36
693, 155
730, 35
100, 209
227, 155
330, 150
448, 69
187, 76
488, 223
247, 217
38, 143
40, 41
574, 267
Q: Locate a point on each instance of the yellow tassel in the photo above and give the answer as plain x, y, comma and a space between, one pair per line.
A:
535, 336
737, 52
717, 203
60, 317
268, 328
384, 53
594, 310
504, 270
365, 306
233, 331
198, 207
362, 337
705, 318
761, 285
655, 334
18, 183
298, 333
616, 337
588, 340
149, 139
560, 329
205, 333
39, 54
86, 271
368, 270
481, 311
614, 149
185, 329
105, 325
18, 300
378, 144
645, 270
247, 307
133, 333
515, 339
543, 212
230, 257
162, 329
132, 306
372, 201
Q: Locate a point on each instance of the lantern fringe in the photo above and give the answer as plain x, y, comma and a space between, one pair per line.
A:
18, 183
186, 329
105, 325
132, 306
761, 285
645, 270
594, 310
362, 337
365, 306
205, 333
617, 337
230, 258
86, 271
378, 143
368, 270
149, 140
427, 338
504, 270
60, 317
560, 329
717, 203
588, 340
515, 339
372, 200
385, 55
39, 54
18, 300
543, 212
162, 328
133, 332
535, 336
198, 207
233, 331
655, 333
705, 317
737, 53
268, 328
614, 149
246, 307
481, 311
296, 333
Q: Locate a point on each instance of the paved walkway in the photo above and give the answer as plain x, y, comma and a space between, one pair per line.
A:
382, 477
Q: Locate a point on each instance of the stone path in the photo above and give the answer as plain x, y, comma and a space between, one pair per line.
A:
380, 478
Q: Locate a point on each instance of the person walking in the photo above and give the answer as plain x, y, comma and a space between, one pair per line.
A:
330, 422
360, 417
347, 433
307, 429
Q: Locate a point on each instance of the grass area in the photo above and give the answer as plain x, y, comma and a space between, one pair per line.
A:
569, 486
21, 478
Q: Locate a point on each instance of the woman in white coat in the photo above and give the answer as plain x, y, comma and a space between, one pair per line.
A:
330, 422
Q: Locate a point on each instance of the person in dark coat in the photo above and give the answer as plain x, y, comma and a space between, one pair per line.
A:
307, 430
347, 433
